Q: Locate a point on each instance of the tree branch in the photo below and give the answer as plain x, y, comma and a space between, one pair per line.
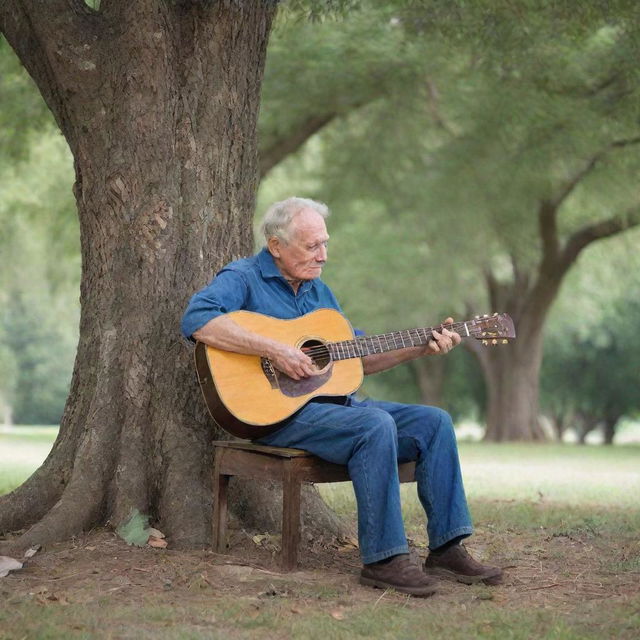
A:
598, 231
492, 287
47, 37
24, 21
433, 103
548, 228
590, 165
520, 277
286, 145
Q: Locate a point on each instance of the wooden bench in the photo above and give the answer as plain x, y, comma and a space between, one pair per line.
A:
289, 466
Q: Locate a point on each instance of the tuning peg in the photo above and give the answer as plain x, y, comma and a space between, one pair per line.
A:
494, 341
486, 315
485, 342
484, 333
505, 341
496, 313
477, 318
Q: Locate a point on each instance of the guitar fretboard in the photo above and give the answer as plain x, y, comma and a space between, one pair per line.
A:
381, 343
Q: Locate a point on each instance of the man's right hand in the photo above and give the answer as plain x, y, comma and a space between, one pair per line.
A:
292, 361
222, 332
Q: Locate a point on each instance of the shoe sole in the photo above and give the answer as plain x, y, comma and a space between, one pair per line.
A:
491, 579
420, 592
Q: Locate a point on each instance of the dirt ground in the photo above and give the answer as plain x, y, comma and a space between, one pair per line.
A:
542, 571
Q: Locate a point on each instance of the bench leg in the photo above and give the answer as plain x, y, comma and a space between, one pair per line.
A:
290, 520
220, 485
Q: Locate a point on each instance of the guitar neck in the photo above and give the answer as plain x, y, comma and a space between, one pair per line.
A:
381, 343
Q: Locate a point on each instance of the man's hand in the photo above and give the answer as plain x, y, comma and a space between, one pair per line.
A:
444, 340
292, 361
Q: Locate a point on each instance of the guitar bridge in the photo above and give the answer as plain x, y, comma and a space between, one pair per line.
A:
270, 372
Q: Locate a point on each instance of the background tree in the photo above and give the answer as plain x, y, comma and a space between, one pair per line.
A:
515, 153
590, 376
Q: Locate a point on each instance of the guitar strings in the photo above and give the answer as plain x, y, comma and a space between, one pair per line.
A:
394, 335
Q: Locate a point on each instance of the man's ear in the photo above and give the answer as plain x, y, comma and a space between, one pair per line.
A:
273, 244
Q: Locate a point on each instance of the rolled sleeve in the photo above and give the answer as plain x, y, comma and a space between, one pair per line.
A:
226, 292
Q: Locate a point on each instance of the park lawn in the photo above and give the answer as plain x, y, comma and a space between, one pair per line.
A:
563, 520
22, 451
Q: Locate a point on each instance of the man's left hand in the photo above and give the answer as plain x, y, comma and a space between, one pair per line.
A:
444, 340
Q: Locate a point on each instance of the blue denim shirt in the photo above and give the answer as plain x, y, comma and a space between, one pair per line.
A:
255, 284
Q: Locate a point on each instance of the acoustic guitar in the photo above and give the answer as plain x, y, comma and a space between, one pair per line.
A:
248, 397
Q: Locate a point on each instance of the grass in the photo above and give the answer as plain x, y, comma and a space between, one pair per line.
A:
530, 474
565, 518
22, 451
390, 618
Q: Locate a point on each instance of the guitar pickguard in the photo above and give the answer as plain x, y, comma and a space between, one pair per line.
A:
294, 388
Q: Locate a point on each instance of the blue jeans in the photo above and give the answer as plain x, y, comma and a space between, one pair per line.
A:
371, 438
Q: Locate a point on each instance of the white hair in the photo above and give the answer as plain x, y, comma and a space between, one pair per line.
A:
278, 217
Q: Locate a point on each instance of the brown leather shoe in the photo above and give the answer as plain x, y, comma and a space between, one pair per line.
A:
400, 573
456, 563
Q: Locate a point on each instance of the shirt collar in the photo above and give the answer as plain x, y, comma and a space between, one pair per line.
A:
269, 269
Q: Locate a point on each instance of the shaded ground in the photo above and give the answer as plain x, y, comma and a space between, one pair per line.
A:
557, 585
564, 521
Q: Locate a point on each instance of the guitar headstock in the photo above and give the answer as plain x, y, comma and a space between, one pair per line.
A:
494, 329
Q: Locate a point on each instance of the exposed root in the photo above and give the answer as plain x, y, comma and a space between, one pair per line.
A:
76, 511
31, 500
34, 497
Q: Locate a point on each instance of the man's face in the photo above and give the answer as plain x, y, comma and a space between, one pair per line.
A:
305, 253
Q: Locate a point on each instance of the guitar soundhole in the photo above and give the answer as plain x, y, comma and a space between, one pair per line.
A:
318, 352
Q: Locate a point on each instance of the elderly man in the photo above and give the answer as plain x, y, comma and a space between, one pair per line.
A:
370, 437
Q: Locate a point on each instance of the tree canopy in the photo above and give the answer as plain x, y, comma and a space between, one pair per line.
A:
436, 131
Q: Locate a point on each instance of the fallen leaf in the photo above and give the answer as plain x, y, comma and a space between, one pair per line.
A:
158, 543
347, 544
259, 538
29, 553
337, 614
8, 564
155, 533
59, 599
135, 529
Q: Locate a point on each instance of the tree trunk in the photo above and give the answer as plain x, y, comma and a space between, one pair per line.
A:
512, 377
585, 424
512, 371
609, 429
559, 423
429, 374
158, 102
7, 413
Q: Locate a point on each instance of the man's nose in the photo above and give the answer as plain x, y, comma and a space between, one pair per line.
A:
321, 256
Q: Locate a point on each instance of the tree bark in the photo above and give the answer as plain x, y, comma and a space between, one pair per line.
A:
158, 102
429, 374
511, 373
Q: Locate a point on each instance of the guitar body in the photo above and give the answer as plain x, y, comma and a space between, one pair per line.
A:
249, 398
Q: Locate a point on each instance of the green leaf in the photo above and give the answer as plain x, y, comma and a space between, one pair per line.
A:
135, 529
